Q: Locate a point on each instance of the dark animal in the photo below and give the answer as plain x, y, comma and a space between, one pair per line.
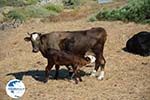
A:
75, 42
57, 57
139, 44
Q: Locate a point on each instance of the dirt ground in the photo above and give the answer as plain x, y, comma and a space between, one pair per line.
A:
127, 75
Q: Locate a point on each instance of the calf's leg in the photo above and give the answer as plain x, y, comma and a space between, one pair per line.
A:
74, 75
47, 70
80, 79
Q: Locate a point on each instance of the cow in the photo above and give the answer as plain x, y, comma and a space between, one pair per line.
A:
139, 44
75, 42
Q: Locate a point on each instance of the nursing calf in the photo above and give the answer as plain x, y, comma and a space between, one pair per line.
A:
57, 58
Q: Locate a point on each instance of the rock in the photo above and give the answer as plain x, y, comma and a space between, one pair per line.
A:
10, 24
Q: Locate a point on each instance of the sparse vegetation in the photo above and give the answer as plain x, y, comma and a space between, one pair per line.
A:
17, 3
16, 15
71, 3
34, 12
1, 17
136, 10
92, 18
53, 7
31, 2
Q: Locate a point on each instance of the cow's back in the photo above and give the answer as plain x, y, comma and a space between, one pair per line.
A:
81, 41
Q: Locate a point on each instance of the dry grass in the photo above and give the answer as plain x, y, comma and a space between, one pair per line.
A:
127, 75
84, 11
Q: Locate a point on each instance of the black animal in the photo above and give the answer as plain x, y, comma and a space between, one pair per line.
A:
139, 44
75, 42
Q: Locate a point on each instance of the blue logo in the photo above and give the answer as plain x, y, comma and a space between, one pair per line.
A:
15, 88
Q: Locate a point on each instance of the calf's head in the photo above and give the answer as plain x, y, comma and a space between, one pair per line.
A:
35, 40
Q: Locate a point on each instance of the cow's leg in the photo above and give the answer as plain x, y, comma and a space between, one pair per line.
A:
100, 61
74, 75
47, 70
70, 70
57, 71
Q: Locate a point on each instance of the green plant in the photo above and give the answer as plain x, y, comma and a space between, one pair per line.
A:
1, 17
17, 3
54, 7
92, 18
16, 15
30, 2
2, 3
32, 11
136, 10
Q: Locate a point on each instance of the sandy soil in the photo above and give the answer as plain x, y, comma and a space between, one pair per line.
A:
127, 75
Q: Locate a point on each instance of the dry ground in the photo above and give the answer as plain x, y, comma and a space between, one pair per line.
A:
127, 75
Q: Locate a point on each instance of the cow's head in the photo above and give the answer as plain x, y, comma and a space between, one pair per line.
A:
35, 40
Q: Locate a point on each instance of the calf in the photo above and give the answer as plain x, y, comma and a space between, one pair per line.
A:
57, 57
139, 44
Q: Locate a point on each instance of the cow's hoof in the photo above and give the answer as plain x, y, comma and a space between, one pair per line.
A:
70, 73
100, 78
45, 80
76, 81
56, 78
80, 79
93, 73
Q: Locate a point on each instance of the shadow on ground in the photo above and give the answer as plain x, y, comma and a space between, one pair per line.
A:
127, 51
134, 53
39, 75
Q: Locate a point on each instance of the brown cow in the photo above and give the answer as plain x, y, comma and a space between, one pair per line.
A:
75, 42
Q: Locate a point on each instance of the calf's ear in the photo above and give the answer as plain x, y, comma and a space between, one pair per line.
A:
27, 39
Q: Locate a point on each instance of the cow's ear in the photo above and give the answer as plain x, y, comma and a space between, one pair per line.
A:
27, 39
28, 33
